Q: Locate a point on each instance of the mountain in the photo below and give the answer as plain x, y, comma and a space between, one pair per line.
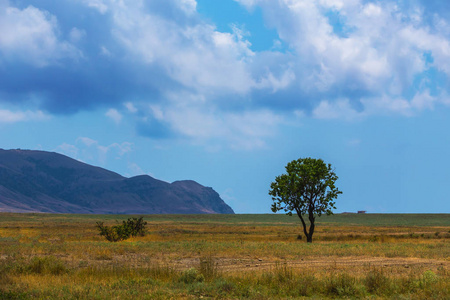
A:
39, 181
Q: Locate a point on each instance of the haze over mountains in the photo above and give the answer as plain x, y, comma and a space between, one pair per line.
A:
39, 181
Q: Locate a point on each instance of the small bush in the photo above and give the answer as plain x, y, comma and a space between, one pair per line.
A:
341, 285
208, 267
161, 272
377, 283
131, 227
283, 273
191, 275
428, 278
112, 234
49, 265
39, 265
224, 286
135, 226
12, 295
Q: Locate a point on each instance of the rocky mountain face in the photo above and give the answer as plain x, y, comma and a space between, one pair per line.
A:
39, 181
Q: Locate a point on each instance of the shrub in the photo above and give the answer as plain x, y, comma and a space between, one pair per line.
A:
208, 267
38, 265
283, 273
191, 275
224, 286
131, 227
341, 285
112, 234
377, 283
48, 265
428, 278
135, 226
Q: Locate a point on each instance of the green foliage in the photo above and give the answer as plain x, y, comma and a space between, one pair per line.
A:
308, 187
428, 278
36, 265
208, 267
377, 282
10, 295
342, 285
191, 275
46, 265
224, 287
131, 227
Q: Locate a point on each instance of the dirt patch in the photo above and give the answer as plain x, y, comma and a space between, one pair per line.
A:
356, 264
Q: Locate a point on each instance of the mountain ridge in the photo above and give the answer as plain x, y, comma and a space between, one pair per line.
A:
41, 181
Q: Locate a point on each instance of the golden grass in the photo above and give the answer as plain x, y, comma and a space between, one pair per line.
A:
51, 256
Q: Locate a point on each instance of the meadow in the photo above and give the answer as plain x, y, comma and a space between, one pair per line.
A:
372, 256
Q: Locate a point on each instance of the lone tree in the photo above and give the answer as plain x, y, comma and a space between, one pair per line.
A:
308, 187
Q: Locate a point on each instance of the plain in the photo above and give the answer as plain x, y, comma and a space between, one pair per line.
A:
399, 256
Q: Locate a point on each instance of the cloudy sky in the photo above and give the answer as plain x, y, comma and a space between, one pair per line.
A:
227, 92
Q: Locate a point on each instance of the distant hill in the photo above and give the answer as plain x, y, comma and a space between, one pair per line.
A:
39, 181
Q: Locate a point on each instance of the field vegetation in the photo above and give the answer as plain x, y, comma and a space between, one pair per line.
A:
407, 256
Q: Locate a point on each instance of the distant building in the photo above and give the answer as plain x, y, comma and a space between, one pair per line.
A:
361, 211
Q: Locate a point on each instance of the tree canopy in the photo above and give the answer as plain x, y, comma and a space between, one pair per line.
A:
307, 188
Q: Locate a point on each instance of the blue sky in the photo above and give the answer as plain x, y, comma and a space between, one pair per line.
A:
227, 92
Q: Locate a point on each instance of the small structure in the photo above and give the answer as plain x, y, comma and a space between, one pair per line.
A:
361, 211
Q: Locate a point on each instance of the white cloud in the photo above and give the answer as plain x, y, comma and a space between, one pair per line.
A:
76, 35
244, 130
104, 51
423, 101
134, 170
387, 105
91, 151
87, 141
380, 52
189, 6
31, 35
67, 149
206, 85
100, 5
114, 115
130, 107
336, 110
194, 54
122, 148
376, 58
8, 116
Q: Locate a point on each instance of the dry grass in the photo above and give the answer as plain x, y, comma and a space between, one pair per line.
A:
243, 256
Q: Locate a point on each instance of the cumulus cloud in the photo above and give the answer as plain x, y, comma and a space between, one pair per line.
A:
134, 170
193, 55
8, 116
202, 124
114, 115
31, 36
91, 151
100, 5
68, 149
130, 107
160, 63
377, 50
341, 109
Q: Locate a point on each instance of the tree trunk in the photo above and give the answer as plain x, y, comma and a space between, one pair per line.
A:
303, 223
311, 227
312, 220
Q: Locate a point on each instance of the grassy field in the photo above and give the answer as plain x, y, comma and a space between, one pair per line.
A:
373, 256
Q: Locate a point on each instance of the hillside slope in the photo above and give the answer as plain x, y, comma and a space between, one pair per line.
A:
39, 181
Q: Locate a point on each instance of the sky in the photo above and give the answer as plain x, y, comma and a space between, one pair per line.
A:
227, 92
